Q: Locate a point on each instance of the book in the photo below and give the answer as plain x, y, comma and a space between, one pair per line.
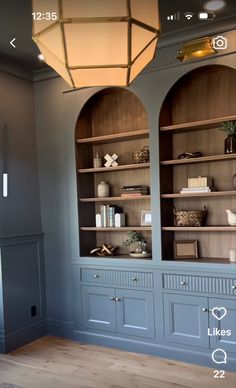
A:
132, 194
111, 215
133, 187
103, 215
203, 189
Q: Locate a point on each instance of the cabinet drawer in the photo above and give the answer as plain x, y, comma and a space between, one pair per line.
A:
204, 284
118, 278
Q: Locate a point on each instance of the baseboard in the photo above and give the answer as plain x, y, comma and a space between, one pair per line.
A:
14, 339
60, 328
168, 352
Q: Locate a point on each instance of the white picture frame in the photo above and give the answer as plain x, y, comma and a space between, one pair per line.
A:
146, 218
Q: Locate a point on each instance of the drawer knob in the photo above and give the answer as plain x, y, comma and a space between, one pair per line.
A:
204, 309
234, 287
117, 299
112, 298
96, 276
134, 279
183, 283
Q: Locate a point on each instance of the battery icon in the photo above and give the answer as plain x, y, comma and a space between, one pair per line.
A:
206, 15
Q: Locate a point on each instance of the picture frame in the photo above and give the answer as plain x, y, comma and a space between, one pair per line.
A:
186, 249
146, 217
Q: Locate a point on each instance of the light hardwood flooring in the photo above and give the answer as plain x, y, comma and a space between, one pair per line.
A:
52, 362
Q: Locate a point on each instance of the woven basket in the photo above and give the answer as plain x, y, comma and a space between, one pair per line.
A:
189, 217
141, 156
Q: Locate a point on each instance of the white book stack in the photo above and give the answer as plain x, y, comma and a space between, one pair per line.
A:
202, 189
200, 184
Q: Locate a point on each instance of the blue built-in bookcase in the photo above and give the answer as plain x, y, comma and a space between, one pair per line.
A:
162, 305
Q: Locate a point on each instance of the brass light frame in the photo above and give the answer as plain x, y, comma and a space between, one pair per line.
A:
195, 49
128, 18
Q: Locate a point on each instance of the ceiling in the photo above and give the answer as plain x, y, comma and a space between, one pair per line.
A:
16, 22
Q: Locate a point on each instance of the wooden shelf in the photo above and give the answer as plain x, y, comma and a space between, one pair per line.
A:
209, 195
113, 229
197, 125
120, 256
116, 199
113, 169
201, 159
221, 228
212, 260
131, 135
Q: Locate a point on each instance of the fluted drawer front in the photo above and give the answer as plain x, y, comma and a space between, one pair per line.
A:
210, 285
122, 278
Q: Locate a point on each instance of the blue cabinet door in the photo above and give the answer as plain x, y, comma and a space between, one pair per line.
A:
228, 322
186, 320
135, 313
99, 310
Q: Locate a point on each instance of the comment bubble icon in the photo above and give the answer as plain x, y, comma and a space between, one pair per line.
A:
219, 356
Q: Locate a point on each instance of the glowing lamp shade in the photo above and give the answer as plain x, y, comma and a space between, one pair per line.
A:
97, 42
196, 49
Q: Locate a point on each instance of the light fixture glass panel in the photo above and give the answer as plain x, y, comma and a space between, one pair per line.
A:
140, 38
94, 8
54, 62
49, 39
44, 6
146, 11
214, 5
96, 44
99, 77
143, 60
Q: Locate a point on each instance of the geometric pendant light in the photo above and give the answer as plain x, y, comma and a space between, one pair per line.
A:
96, 42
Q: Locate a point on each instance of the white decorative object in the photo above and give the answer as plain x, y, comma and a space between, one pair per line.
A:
98, 220
200, 181
232, 255
111, 160
119, 220
231, 217
103, 190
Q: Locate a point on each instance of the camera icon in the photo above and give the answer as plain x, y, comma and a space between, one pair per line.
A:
219, 43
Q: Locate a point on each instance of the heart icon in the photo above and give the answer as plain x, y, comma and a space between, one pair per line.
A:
219, 312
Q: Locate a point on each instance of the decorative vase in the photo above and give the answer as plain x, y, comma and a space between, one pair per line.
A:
103, 190
230, 144
97, 161
234, 182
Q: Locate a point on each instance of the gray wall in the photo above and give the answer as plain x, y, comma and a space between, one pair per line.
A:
20, 212
21, 251
56, 115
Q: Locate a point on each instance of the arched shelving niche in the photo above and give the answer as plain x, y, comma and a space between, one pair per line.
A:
190, 120
112, 121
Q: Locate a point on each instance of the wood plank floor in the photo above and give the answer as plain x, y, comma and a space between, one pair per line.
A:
52, 362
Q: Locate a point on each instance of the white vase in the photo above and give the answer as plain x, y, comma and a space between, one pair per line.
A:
103, 190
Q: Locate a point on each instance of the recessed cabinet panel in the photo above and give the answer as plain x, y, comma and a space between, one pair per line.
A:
118, 278
98, 308
135, 313
186, 320
227, 325
209, 285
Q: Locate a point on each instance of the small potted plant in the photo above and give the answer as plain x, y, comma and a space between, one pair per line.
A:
230, 142
138, 242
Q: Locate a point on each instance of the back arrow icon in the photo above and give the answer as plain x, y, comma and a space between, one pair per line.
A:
11, 42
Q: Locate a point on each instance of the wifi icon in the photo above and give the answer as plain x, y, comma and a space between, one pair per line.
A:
188, 15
